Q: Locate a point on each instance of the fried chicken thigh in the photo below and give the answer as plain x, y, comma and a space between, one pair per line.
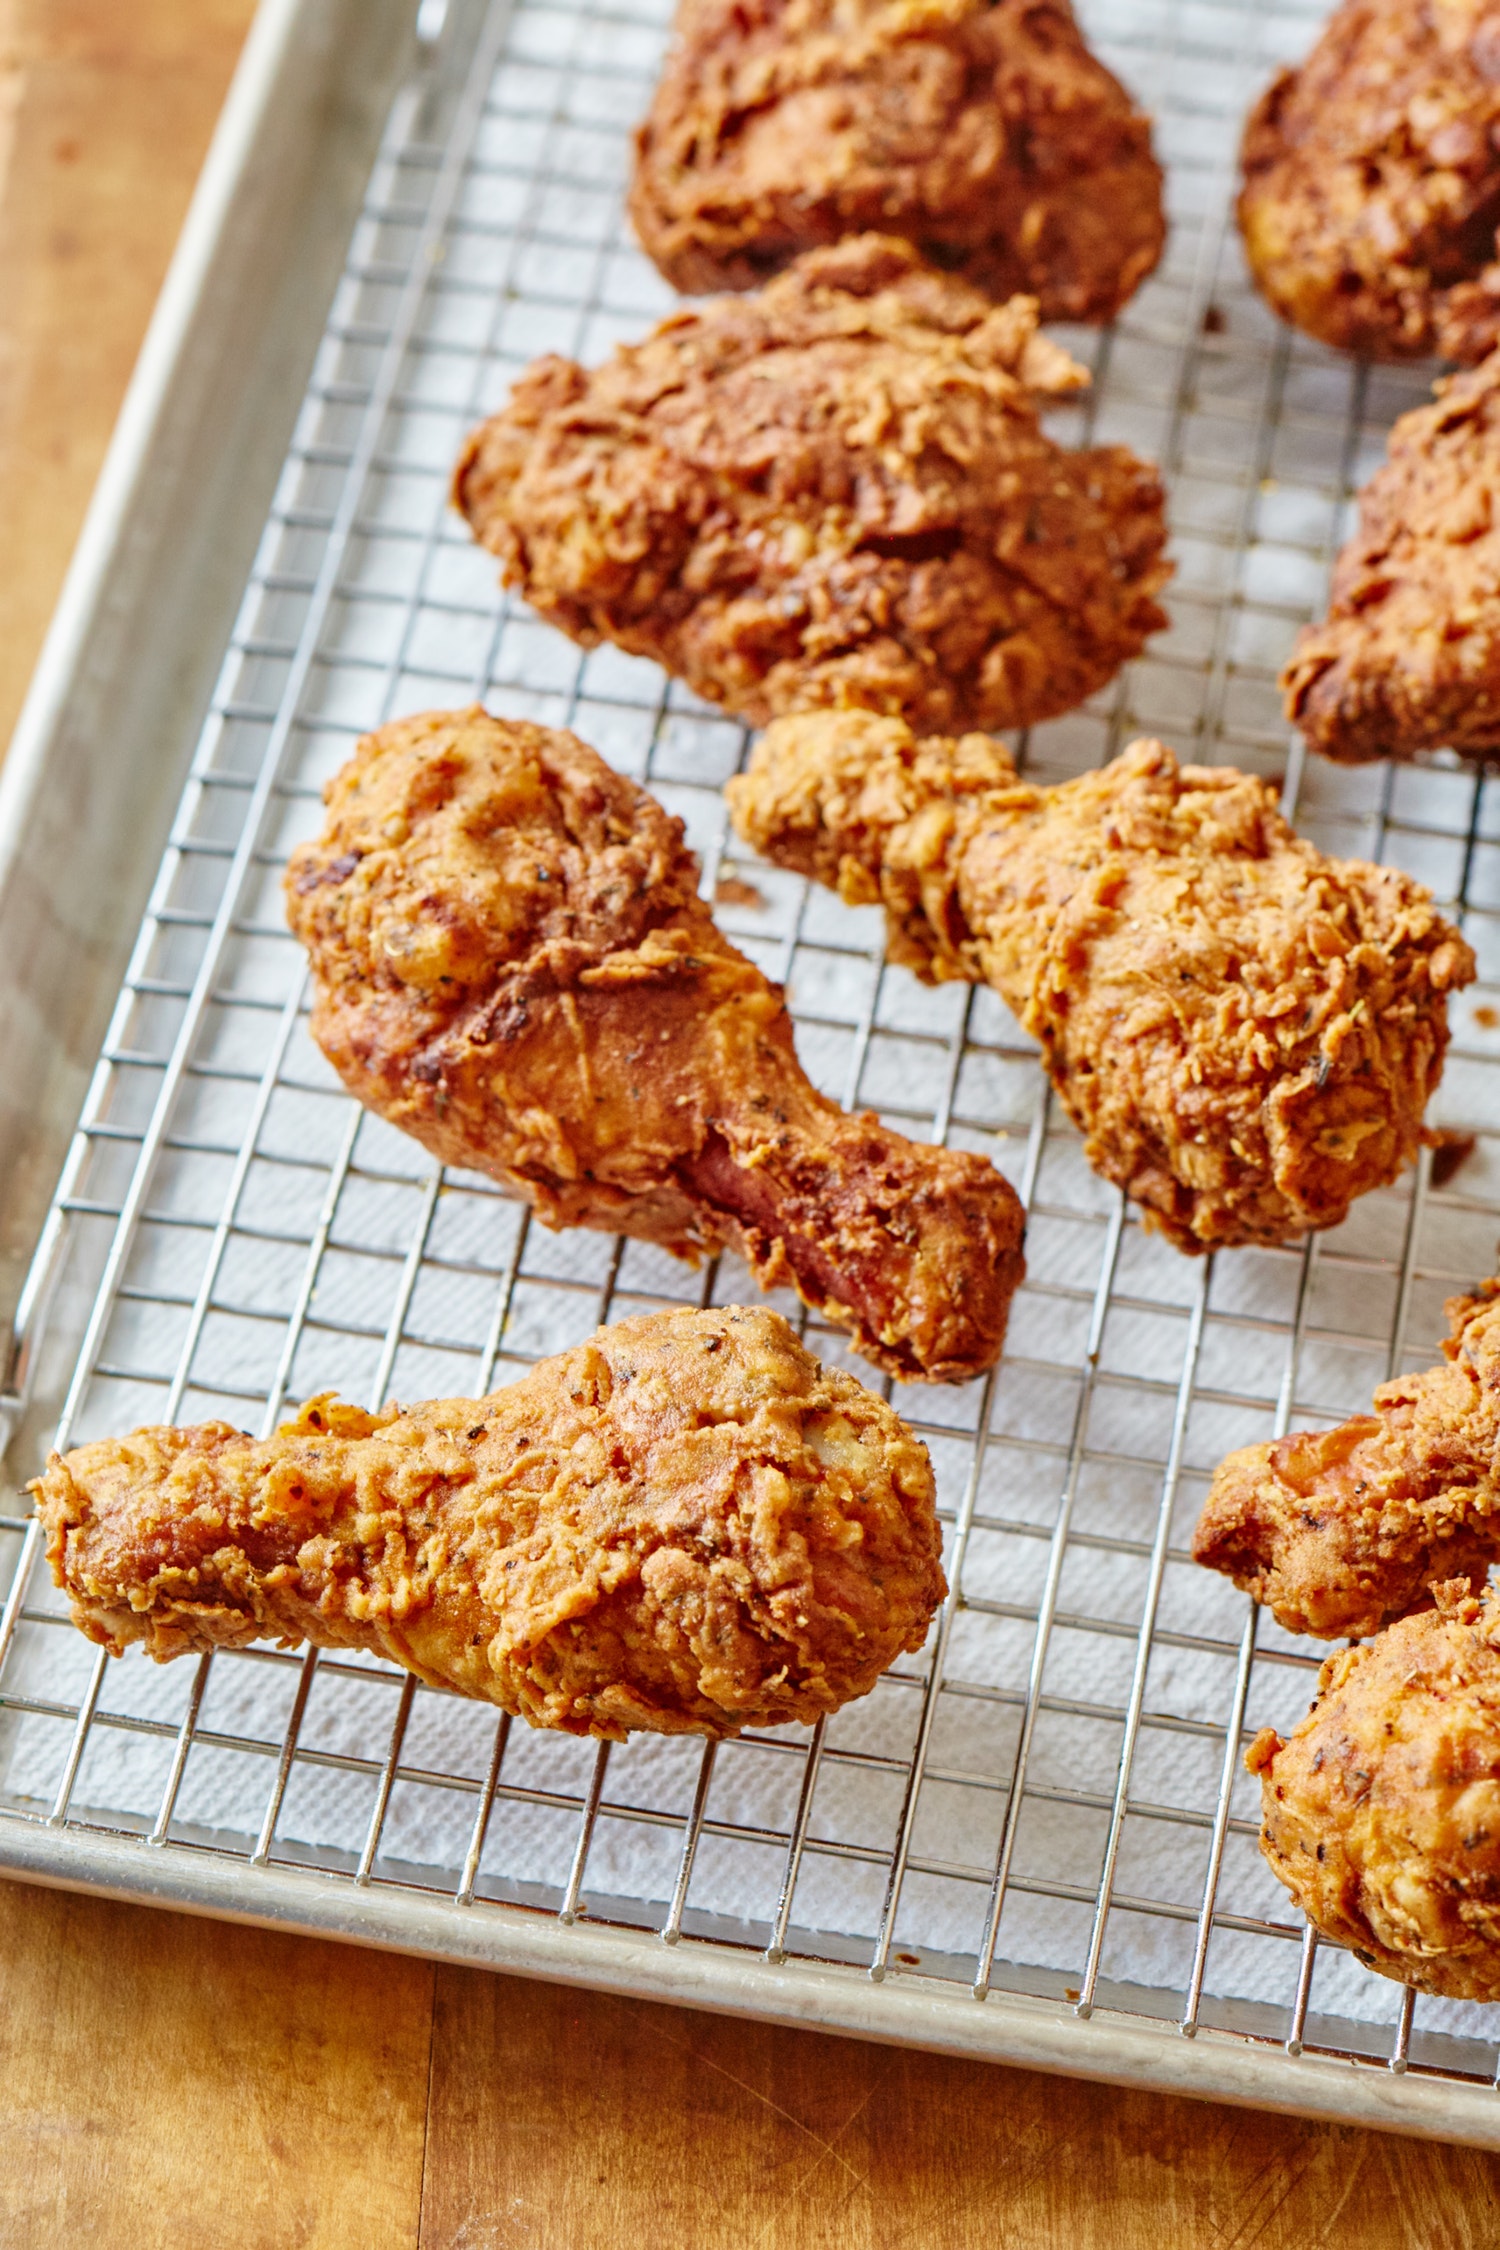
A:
1408, 657
833, 491
986, 134
1339, 1530
1246, 1032
1381, 1812
512, 963
1372, 181
685, 1525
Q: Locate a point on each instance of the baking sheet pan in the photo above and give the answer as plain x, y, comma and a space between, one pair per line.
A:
1034, 1841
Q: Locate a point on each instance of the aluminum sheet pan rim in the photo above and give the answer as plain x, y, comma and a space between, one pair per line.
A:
93, 774
803, 1995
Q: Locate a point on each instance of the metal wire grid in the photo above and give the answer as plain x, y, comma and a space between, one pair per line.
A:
1050, 1799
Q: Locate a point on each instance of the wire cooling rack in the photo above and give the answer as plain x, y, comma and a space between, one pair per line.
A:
1049, 1802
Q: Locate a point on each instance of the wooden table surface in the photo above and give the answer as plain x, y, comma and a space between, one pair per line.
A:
185, 2084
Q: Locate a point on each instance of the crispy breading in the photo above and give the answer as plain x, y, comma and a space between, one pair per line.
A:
836, 490
1245, 1031
983, 131
1408, 657
1340, 1530
511, 962
1381, 1811
685, 1525
1372, 181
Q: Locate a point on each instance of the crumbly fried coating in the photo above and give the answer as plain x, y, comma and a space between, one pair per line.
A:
1381, 1811
1408, 657
833, 491
1246, 1032
983, 131
512, 963
685, 1525
1340, 1530
1372, 181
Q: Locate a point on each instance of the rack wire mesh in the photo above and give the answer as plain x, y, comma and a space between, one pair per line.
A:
1050, 1799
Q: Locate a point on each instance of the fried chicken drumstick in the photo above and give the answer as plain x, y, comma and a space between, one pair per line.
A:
1408, 657
1372, 181
685, 1526
834, 491
1340, 1530
512, 963
986, 134
1381, 1811
1246, 1032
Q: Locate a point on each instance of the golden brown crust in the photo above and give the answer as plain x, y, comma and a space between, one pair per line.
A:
1372, 181
684, 1525
512, 963
1408, 657
987, 135
1340, 1530
1381, 1812
1246, 1032
833, 491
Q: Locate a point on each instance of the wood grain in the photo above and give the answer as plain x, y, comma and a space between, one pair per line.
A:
183, 2085
194, 2086
567, 2122
106, 108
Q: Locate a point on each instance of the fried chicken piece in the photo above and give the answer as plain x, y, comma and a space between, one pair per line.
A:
1338, 1531
1408, 657
1381, 1812
684, 1526
988, 135
1372, 181
834, 491
512, 963
1246, 1033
